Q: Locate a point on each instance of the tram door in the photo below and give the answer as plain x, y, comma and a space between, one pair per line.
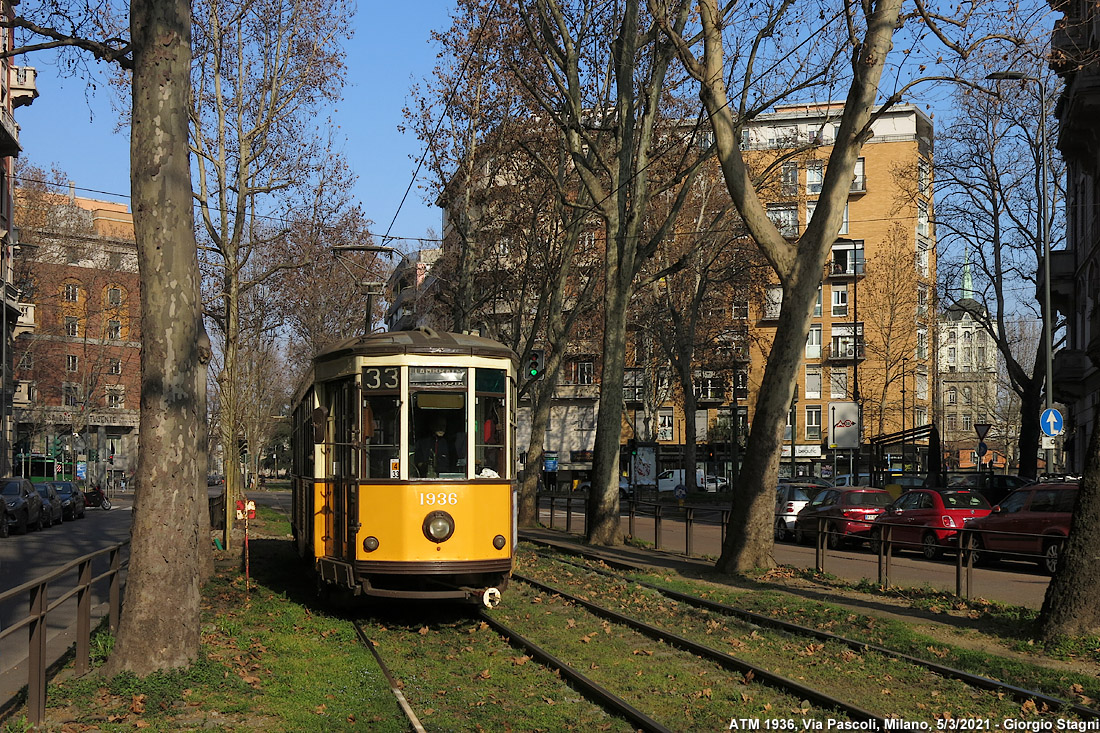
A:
344, 517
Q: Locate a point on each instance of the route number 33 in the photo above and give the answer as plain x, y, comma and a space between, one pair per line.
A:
381, 378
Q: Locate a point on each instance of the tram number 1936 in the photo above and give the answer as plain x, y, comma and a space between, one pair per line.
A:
440, 499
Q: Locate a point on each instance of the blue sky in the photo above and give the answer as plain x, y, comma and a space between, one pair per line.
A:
74, 128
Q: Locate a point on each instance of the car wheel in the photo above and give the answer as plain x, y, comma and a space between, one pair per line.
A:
930, 546
875, 543
833, 538
25, 524
978, 554
780, 530
1051, 551
5, 530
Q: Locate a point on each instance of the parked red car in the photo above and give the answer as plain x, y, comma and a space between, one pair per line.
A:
848, 514
1032, 521
929, 519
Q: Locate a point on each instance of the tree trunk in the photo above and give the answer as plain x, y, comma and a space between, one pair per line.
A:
1031, 409
602, 526
540, 414
1070, 607
159, 628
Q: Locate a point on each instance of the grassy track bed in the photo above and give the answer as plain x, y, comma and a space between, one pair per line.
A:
869, 680
459, 675
682, 691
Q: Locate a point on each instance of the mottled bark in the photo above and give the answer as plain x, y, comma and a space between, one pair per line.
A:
1071, 607
159, 628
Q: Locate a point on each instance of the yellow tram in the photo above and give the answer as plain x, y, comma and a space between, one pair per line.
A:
403, 457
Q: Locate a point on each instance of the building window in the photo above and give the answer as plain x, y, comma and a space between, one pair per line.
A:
72, 362
813, 382
773, 301
26, 361
924, 177
923, 226
859, 178
952, 423
968, 396
664, 425
817, 305
815, 175
922, 343
72, 326
838, 383
813, 343
116, 398
921, 416
114, 366
69, 394
788, 179
950, 354
785, 218
981, 358
968, 422
580, 372
840, 299
813, 422
922, 299
114, 329
633, 385
740, 310
71, 292
922, 384
952, 396
114, 296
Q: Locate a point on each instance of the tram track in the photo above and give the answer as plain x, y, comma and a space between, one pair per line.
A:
975, 681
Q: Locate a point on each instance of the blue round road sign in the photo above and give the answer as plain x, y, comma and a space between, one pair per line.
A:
1051, 422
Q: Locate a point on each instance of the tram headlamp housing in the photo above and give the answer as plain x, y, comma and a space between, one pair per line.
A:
498, 542
439, 526
370, 544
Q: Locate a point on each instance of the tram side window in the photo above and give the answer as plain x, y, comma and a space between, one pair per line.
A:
490, 421
381, 422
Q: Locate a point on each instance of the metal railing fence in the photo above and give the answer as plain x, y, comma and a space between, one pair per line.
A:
40, 606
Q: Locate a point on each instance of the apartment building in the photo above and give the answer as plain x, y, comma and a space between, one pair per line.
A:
868, 369
78, 340
18, 88
1075, 270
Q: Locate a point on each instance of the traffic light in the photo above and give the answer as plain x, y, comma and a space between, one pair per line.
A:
56, 448
93, 455
632, 446
536, 363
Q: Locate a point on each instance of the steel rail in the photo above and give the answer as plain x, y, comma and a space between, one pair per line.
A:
1018, 693
595, 692
394, 687
726, 660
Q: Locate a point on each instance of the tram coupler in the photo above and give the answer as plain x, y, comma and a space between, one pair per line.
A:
490, 597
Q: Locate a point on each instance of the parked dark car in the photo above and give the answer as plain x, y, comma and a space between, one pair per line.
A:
22, 505
51, 504
72, 499
993, 486
1032, 521
848, 514
929, 519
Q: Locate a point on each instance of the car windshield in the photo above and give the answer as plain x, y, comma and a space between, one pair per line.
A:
964, 500
798, 494
869, 498
10, 488
43, 490
64, 488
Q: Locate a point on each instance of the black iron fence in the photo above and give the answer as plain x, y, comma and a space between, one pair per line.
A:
966, 543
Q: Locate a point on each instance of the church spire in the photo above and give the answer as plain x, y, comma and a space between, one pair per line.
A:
968, 280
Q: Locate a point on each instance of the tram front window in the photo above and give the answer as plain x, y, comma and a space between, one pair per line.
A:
381, 421
489, 420
437, 422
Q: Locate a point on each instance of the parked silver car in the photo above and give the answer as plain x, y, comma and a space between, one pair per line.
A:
790, 498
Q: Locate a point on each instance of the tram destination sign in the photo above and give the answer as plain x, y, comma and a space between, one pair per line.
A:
437, 375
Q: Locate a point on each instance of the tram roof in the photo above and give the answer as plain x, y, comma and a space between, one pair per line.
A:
419, 341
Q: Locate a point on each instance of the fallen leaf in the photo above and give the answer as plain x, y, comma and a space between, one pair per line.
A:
1029, 708
423, 631
320, 709
483, 675
137, 704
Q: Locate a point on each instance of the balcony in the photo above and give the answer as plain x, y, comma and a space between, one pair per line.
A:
843, 352
841, 268
24, 85
9, 134
577, 392
1061, 281
1071, 366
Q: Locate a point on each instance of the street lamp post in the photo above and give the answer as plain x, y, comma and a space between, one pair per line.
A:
1044, 229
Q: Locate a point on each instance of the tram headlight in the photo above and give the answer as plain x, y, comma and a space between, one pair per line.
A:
498, 542
370, 544
439, 526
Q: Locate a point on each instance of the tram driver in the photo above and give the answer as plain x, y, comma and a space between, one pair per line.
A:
434, 454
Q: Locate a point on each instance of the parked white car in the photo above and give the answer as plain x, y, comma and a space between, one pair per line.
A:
790, 498
669, 480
